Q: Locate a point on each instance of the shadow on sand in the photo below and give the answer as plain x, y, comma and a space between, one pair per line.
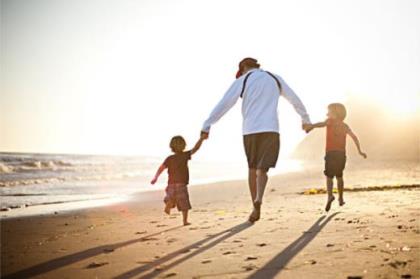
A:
48, 266
275, 265
197, 246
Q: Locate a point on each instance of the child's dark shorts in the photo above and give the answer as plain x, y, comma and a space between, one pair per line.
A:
335, 162
177, 195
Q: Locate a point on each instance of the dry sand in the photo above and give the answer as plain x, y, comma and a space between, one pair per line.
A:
375, 235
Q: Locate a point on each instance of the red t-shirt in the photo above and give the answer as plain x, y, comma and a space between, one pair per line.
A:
177, 165
336, 135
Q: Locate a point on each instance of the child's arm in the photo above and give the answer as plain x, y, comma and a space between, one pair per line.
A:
316, 125
159, 171
356, 142
198, 145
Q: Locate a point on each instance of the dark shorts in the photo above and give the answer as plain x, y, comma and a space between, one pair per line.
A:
177, 195
335, 161
262, 150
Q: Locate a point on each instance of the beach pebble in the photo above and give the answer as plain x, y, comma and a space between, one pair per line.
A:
406, 276
170, 274
206, 261
142, 232
354, 277
96, 265
330, 245
311, 262
261, 244
251, 258
108, 250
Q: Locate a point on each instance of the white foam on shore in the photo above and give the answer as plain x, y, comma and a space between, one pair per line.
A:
57, 208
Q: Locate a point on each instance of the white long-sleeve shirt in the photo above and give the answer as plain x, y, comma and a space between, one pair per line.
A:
259, 104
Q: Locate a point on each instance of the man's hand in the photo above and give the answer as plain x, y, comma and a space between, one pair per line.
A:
204, 135
363, 154
307, 127
153, 181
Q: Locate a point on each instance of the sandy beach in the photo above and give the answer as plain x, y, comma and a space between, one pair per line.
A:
375, 235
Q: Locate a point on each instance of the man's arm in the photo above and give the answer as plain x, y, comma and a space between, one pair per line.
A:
197, 145
294, 100
224, 105
356, 142
159, 171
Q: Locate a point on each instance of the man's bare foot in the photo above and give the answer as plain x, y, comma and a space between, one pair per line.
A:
328, 206
187, 223
256, 213
341, 202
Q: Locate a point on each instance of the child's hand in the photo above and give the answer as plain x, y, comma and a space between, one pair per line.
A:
363, 154
308, 127
204, 135
153, 181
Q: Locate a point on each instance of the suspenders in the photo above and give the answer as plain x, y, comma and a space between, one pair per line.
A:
247, 76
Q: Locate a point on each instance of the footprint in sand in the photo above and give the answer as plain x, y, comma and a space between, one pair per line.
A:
96, 265
228, 253
172, 274
249, 267
149, 239
206, 261
142, 232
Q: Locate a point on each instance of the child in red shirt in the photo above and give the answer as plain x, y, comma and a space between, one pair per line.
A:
335, 156
178, 176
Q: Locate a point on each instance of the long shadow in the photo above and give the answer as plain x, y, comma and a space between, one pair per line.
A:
275, 266
79, 256
187, 254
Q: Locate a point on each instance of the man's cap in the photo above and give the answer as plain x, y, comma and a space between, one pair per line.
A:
249, 62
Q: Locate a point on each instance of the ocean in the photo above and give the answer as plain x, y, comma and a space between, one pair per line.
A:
28, 179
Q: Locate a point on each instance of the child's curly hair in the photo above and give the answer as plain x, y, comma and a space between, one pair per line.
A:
177, 144
339, 110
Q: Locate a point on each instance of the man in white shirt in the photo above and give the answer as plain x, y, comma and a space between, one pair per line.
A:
260, 91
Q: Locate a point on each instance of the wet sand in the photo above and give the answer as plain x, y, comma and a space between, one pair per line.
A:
375, 235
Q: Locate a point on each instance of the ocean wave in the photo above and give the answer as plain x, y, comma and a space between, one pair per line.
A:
5, 168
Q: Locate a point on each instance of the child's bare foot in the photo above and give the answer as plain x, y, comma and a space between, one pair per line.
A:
167, 210
328, 206
341, 202
187, 223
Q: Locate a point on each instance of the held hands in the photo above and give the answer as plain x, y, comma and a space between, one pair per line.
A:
307, 127
204, 135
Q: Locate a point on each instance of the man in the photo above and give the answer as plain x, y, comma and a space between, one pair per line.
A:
260, 92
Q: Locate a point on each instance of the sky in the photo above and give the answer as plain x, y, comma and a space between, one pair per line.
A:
123, 77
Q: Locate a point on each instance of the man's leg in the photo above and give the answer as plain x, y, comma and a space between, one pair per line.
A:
262, 179
252, 182
261, 183
340, 187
